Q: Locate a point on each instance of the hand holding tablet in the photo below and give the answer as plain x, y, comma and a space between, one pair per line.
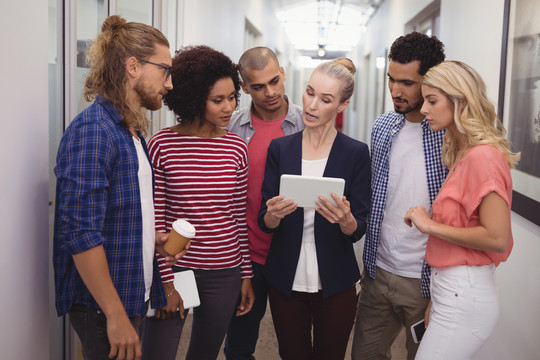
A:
186, 285
305, 190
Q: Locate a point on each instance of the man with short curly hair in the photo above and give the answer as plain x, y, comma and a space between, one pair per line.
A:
406, 170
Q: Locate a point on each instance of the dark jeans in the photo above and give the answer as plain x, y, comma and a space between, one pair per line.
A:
91, 327
302, 314
218, 291
243, 330
161, 337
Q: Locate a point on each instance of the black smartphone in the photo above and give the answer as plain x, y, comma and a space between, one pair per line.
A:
418, 331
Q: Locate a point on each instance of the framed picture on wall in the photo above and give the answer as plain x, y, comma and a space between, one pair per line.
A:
519, 100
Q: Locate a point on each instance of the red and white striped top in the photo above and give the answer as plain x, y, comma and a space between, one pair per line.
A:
203, 181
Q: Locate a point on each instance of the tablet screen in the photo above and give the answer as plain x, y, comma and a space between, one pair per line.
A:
305, 190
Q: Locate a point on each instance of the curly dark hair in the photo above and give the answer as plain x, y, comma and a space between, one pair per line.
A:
195, 70
417, 46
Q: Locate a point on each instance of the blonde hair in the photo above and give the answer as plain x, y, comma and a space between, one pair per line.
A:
474, 114
342, 69
118, 41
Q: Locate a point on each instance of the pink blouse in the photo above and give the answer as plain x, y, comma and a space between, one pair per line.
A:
482, 170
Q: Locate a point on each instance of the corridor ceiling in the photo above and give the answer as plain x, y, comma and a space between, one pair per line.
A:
334, 26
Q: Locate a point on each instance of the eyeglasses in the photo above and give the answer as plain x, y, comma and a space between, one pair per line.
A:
167, 68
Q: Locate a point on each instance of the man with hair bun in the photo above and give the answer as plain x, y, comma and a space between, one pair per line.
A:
104, 235
406, 170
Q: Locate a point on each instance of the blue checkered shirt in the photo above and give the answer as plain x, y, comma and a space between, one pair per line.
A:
385, 128
98, 203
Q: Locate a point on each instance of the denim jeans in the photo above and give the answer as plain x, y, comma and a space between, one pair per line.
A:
464, 312
91, 327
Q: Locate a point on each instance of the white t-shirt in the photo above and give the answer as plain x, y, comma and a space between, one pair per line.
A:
147, 209
307, 277
402, 249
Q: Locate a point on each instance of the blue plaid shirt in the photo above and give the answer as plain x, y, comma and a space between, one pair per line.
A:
98, 203
385, 128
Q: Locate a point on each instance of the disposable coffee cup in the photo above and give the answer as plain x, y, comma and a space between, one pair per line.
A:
181, 233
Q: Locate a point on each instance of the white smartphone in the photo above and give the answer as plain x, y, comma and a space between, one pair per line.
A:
418, 331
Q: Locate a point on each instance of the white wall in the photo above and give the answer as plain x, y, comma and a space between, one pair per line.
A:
472, 32
221, 23
385, 26
518, 330
24, 245
478, 43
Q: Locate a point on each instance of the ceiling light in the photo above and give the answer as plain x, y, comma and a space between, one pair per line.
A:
321, 52
380, 62
340, 29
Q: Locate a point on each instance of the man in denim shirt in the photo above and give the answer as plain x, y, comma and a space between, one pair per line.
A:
270, 115
104, 234
407, 169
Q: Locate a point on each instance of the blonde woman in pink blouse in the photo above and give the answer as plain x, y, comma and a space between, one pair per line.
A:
469, 228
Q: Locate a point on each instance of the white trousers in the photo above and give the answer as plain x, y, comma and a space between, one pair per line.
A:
464, 312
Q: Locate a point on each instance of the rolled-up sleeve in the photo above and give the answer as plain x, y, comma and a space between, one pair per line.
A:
81, 171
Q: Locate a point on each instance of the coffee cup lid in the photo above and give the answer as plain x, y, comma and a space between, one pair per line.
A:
184, 228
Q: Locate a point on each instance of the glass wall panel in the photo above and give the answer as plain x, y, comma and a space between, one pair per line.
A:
136, 10
143, 11
90, 15
172, 30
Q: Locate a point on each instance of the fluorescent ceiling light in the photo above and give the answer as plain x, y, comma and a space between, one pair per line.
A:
330, 23
321, 52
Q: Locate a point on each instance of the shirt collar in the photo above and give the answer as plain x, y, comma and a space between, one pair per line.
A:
401, 121
110, 108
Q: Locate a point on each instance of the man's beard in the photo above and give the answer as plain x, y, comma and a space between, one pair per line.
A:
147, 101
408, 109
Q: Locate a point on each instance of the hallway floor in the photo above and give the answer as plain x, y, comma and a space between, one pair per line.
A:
267, 344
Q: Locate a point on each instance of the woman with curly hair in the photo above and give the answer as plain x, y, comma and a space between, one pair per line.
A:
201, 176
469, 228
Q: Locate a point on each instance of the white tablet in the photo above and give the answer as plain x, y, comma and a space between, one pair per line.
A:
184, 283
305, 190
